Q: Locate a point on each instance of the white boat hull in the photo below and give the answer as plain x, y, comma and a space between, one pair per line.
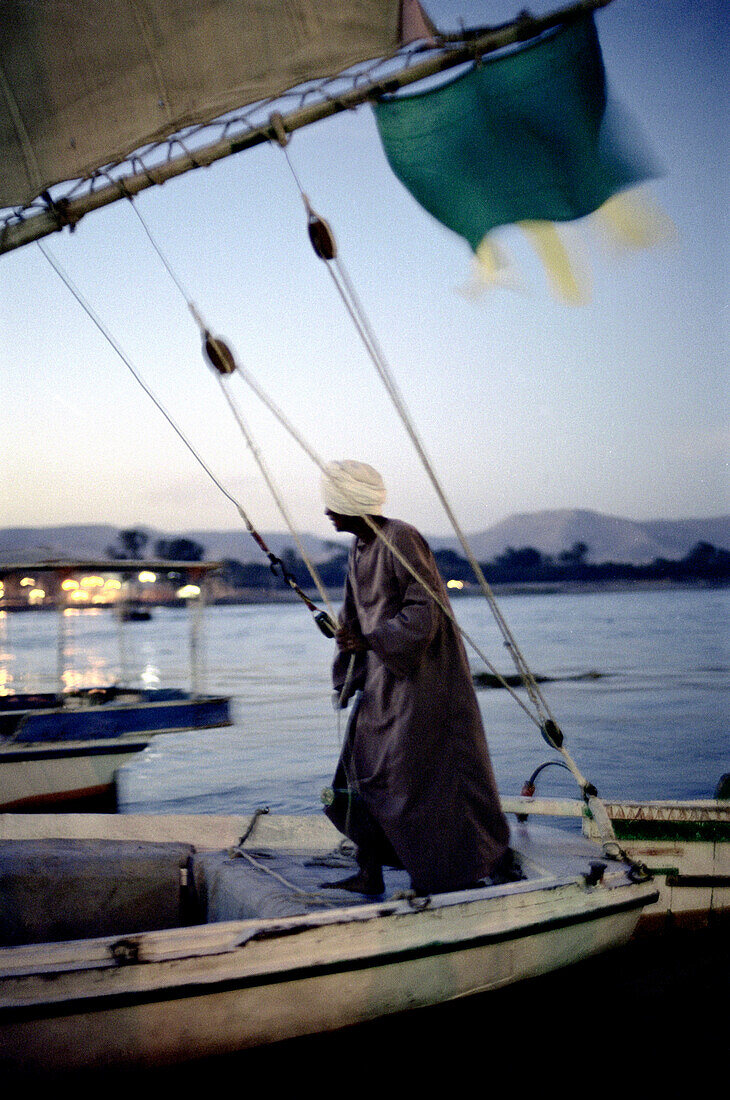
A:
72, 753
38, 775
165, 996
213, 1005
686, 845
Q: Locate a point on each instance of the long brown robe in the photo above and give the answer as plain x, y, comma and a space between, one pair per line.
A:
415, 753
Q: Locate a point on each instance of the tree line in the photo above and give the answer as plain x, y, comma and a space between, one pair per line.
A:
522, 565
132, 545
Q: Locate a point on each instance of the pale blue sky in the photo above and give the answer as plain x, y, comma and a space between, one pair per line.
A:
524, 403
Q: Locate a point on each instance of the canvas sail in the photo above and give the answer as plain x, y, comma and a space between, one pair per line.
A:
83, 83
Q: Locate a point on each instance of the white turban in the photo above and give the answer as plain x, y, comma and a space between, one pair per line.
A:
353, 489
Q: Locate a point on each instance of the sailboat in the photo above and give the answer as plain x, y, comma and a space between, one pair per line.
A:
189, 937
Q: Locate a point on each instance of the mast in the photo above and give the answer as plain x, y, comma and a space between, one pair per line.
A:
60, 213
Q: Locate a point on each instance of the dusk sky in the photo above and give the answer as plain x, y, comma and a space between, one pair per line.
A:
523, 402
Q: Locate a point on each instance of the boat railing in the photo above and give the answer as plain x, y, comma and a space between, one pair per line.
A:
544, 807
694, 819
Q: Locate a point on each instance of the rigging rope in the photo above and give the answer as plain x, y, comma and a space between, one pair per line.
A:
227, 365
250, 381
299, 439
325, 247
324, 621
223, 361
224, 364
248, 378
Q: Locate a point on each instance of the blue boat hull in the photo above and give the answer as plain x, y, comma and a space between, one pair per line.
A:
115, 716
64, 751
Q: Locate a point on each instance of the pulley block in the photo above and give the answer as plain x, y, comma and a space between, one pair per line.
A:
322, 237
219, 355
552, 733
325, 624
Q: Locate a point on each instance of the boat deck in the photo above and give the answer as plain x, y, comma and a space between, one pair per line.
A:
144, 947
59, 888
264, 882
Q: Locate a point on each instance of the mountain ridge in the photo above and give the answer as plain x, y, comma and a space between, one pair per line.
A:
552, 531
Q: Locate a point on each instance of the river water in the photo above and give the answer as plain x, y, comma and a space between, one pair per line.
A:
638, 683
641, 690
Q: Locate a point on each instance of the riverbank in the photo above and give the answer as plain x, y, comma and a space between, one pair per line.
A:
271, 596
526, 588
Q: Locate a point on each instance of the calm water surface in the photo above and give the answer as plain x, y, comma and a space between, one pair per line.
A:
653, 723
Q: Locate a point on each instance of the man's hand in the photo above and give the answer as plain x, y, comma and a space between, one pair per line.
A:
349, 640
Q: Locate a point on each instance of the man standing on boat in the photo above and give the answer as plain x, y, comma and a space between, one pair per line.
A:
414, 786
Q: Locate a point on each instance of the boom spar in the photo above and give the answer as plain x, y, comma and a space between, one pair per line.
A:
48, 215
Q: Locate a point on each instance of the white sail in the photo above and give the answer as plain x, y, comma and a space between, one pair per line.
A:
83, 83
101, 99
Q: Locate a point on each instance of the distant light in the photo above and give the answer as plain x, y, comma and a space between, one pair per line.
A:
112, 583
27, 582
146, 577
79, 595
455, 584
69, 585
188, 592
92, 582
36, 595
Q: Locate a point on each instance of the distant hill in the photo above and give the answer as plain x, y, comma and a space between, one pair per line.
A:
609, 538
26, 544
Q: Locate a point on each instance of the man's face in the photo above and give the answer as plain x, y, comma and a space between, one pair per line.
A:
342, 523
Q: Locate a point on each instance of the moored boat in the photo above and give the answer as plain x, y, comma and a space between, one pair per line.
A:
223, 942
684, 844
65, 746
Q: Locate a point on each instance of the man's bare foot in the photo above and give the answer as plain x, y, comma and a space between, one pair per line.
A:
370, 883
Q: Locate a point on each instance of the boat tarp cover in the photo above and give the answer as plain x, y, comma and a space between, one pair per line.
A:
527, 135
84, 83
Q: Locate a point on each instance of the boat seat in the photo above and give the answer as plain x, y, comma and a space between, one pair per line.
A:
259, 883
54, 890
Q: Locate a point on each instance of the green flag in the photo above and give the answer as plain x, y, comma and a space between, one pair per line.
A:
529, 135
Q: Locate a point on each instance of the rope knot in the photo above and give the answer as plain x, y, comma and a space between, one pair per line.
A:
277, 125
